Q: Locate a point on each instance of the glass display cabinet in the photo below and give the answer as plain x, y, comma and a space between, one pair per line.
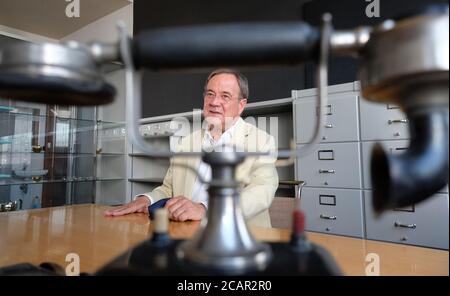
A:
57, 155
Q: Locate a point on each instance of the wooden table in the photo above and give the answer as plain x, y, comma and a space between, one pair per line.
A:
48, 235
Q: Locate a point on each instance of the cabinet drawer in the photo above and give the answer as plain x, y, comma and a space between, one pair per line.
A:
331, 165
424, 224
336, 211
393, 147
382, 122
341, 117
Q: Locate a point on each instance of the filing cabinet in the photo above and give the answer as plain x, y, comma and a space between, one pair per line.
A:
334, 211
341, 118
337, 197
424, 224
392, 147
332, 165
332, 196
382, 122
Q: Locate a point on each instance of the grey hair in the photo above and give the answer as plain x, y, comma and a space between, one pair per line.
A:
241, 79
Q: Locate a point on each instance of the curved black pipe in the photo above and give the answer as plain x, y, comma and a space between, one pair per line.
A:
408, 178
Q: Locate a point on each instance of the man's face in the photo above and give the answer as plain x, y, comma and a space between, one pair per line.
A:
221, 100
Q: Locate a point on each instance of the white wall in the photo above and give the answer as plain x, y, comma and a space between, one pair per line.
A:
104, 29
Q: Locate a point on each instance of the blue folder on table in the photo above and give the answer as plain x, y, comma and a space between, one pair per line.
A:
157, 205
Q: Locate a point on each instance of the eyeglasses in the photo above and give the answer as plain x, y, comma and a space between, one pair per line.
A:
209, 95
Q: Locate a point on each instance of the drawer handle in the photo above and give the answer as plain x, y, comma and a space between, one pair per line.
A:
399, 224
322, 216
391, 121
328, 125
326, 171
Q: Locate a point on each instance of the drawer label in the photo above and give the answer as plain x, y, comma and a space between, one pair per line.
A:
397, 150
405, 209
326, 110
325, 154
329, 200
391, 106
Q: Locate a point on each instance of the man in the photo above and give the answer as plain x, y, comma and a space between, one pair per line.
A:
225, 97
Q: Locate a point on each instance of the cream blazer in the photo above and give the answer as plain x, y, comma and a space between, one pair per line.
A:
258, 174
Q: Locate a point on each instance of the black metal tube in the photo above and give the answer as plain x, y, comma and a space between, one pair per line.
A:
239, 44
408, 178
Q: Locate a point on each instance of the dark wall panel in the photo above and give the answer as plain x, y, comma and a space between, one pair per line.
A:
173, 92
166, 93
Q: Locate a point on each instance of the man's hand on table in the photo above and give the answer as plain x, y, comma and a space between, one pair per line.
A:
182, 209
139, 205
